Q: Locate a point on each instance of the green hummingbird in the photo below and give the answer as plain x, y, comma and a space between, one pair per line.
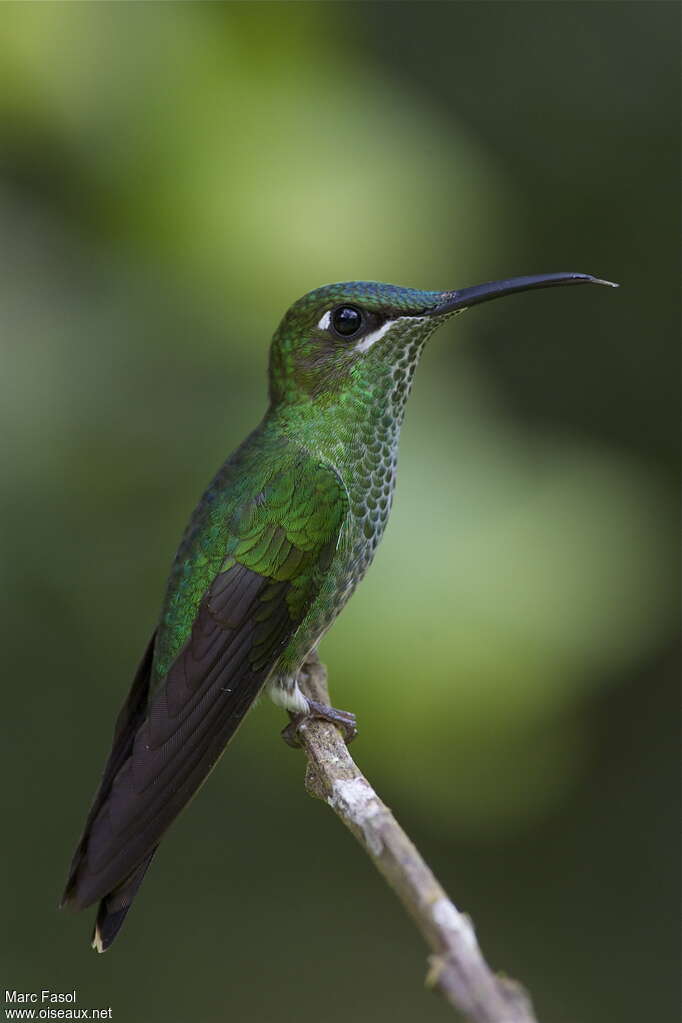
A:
274, 549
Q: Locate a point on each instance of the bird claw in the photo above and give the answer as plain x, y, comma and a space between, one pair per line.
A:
344, 720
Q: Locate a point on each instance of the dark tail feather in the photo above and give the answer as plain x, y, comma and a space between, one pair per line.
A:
129, 720
114, 907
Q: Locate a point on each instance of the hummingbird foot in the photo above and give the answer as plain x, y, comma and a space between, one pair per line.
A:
344, 720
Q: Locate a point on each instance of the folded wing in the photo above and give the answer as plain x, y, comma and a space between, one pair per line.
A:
166, 743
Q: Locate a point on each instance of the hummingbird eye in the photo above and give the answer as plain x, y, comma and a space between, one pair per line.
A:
347, 320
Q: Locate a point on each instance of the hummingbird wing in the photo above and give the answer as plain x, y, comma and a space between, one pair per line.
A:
130, 718
169, 736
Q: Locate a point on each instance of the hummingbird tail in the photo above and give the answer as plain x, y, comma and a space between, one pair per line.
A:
129, 720
114, 907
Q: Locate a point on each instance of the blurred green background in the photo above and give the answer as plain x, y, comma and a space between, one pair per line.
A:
173, 176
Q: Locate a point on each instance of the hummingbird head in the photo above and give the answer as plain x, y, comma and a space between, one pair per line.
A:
343, 335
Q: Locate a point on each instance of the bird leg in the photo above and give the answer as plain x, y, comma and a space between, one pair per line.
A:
343, 719
312, 682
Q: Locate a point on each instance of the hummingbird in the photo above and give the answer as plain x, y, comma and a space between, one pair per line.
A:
276, 546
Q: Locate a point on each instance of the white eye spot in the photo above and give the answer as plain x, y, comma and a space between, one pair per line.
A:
376, 335
326, 320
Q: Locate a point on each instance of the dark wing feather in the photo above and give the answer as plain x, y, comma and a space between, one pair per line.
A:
113, 908
244, 622
208, 690
131, 716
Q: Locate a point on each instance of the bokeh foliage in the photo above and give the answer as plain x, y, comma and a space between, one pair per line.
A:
173, 176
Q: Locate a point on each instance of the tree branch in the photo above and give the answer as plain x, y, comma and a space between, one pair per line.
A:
457, 967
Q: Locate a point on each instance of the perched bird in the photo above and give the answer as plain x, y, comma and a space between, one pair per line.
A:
277, 544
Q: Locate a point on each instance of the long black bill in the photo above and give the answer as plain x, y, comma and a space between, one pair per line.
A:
465, 297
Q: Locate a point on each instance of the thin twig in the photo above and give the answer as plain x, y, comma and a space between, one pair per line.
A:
456, 966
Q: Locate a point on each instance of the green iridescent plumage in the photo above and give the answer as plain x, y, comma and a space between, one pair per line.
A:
273, 551
277, 517
327, 401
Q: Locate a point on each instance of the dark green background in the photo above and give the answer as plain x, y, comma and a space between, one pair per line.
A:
173, 176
